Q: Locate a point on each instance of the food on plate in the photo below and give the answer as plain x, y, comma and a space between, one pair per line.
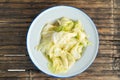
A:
63, 43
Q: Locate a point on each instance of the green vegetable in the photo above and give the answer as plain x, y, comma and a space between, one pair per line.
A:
63, 43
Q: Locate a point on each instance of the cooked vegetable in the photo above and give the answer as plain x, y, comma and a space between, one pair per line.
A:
63, 43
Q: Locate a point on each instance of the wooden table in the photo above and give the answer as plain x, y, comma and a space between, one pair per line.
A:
16, 17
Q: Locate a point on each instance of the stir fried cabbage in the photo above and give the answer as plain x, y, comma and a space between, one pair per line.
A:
63, 43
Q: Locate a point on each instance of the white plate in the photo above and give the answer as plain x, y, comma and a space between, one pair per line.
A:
50, 15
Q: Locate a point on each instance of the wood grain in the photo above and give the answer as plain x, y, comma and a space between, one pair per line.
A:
16, 17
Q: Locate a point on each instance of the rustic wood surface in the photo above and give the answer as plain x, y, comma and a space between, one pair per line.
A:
16, 17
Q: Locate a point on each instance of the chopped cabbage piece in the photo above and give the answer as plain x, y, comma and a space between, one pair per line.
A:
63, 43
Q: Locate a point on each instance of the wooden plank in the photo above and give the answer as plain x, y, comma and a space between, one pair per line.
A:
11, 47
90, 76
21, 1
14, 58
117, 47
15, 20
117, 38
14, 78
99, 14
25, 1
116, 11
15, 25
14, 74
17, 12
105, 37
18, 37
116, 63
91, 4
116, 53
98, 67
13, 5
103, 21
95, 4
117, 24
13, 42
15, 62
13, 50
21, 35
116, 3
106, 51
4, 30
106, 47
107, 42
83, 78
17, 65
103, 60
116, 18
29, 13
109, 25
102, 11
106, 31
28, 20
